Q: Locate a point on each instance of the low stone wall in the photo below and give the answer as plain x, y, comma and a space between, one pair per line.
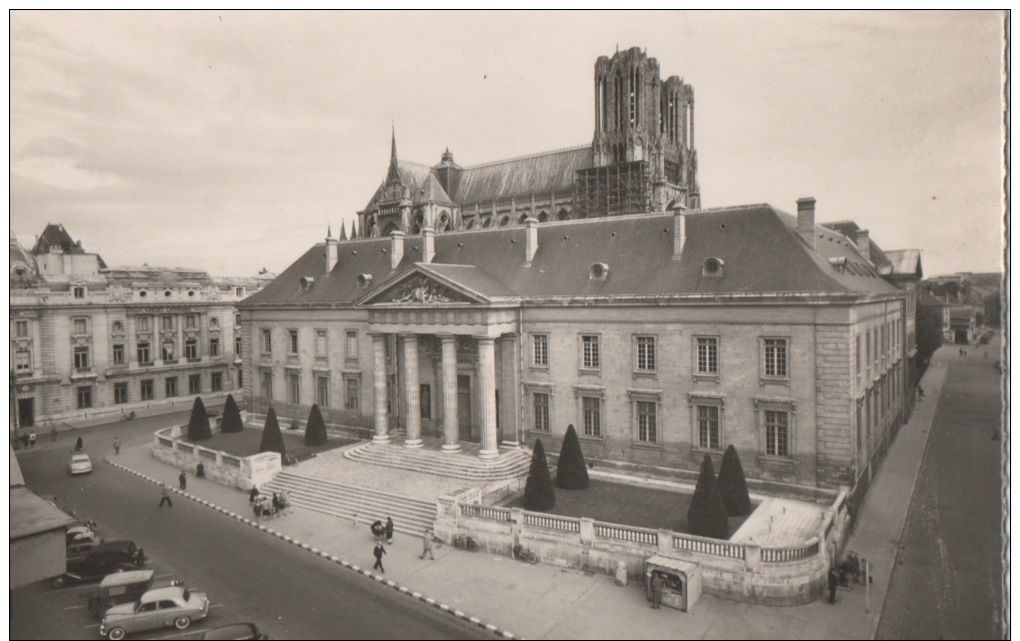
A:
226, 469
740, 571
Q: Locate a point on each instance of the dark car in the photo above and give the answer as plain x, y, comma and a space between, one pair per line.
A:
102, 559
236, 631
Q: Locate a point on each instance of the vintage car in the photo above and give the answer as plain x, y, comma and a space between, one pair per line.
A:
79, 463
102, 559
236, 631
125, 587
159, 608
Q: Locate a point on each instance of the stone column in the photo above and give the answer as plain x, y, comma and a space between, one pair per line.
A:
451, 424
412, 392
382, 423
487, 397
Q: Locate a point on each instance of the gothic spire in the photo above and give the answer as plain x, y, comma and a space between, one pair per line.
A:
343, 230
393, 146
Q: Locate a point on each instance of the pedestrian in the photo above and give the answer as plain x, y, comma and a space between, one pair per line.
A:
389, 530
920, 393
53, 432
116, 445
166, 497
354, 520
833, 582
24, 440
276, 505
426, 545
656, 590
254, 494
31, 438
79, 445
200, 470
379, 552
183, 478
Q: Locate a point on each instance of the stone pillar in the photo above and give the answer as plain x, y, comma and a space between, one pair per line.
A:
382, 423
487, 397
412, 392
451, 424
510, 384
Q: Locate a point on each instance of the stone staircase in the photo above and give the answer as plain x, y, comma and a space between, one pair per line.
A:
410, 516
512, 463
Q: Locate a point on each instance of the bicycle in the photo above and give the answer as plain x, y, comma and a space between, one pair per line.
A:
520, 553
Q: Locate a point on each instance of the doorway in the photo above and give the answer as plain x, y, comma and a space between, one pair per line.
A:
464, 407
26, 412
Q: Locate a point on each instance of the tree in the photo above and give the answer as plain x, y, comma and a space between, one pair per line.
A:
929, 331
272, 437
315, 431
707, 514
198, 425
733, 485
571, 471
538, 493
231, 417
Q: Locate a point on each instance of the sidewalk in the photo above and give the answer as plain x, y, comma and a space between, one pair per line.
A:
546, 601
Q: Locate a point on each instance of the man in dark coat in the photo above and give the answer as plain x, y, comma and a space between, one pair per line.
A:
656, 590
379, 552
833, 582
389, 530
183, 478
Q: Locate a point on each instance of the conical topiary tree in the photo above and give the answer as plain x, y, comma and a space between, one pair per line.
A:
538, 493
315, 431
272, 438
231, 417
733, 485
571, 471
198, 425
707, 514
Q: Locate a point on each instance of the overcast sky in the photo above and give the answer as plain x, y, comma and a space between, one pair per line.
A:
227, 141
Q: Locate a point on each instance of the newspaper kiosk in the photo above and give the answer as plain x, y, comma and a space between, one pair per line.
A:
681, 581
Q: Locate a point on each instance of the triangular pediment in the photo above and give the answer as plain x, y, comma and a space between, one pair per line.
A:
420, 287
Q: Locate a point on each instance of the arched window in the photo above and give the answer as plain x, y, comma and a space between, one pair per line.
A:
563, 215
470, 224
522, 218
419, 224
543, 216
390, 228
445, 223
487, 221
504, 221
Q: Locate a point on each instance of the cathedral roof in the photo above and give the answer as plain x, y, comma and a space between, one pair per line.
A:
539, 174
431, 191
759, 249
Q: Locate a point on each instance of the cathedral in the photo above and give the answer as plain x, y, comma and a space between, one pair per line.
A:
641, 159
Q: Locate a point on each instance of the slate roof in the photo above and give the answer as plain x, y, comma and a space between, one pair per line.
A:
539, 174
760, 249
54, 235
849, 229
906, 262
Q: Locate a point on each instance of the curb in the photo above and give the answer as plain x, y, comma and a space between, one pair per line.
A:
378, 578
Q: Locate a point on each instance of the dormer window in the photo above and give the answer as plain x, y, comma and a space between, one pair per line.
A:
598, 271
712, 267
79, 292
364, 280
306, 283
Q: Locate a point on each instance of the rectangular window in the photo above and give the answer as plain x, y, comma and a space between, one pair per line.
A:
292, 333
867, 353
775, 358
708, 356
23, 361
540, 350
144, 354
591, 409
541, 411
237, 320
191, 321
120, 393
169, 352
708, 427
237, 346
118, 354
590, 352
191, 349
143, 323
214, 347
239, 291
647, 422
352, 344
353, 394
777, 433
322, 390
267, 386
216, 379
21, 328
81, 358
84, 398
79, 292
267, 341
858, 360
645, 353
146, 388
168, 322
195, 384
321, 342
171, 386
294, 389
81, 326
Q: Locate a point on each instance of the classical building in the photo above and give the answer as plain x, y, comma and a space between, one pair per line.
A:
641, 158
86, 339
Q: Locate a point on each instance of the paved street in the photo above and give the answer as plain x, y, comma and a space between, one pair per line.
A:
250, 576
947, 581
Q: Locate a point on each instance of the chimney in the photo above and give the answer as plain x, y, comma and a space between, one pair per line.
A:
806, 220
530, 239
863, 242
396, 248
679, 232
332, 251
428, 245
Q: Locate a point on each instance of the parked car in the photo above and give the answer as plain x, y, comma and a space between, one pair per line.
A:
236, 631
159, 608
102, 559
79, 463
126, 587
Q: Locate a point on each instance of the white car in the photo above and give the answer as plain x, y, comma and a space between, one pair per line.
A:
160, 608
79, 464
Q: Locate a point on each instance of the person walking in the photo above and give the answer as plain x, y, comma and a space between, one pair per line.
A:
116, 445
833, 582
183, 478
379, 552
656, 590
254, 494
31, 438
166, 497
426, 545
389, 530
53, 432
79, 445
